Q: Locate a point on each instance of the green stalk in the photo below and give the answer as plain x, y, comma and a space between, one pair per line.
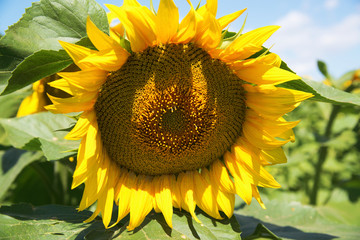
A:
323, 151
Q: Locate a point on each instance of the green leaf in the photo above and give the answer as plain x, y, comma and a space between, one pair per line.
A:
25, 222
41, 132
39, 31
61, 222
48, 21
262, 232
9, 104
184, 227
323, 93
35, 67
12, 162
292, 220
323, 69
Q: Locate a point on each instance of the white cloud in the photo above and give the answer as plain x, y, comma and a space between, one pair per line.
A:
301, 40
331, 4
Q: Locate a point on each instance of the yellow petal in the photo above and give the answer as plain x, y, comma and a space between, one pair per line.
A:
89, 79
133, 3
268, 128
77, 53
175, 192
141, 201
123, 192
35, 102
256, 195
259, 72
242, 188
227, 19
220, 177
139, 23
187, 189
82, 126
204, 195
273, 102
211, 6
187, 28
273, 156
81, 103
167, 20
249, 165
248, 44
109, 60
100, 40
163, 196
225, 201
208, 34
110, 192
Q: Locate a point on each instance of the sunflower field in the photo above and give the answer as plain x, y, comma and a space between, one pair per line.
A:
134, 123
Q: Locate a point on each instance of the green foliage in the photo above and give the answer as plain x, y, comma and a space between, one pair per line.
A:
43, 131
62, 222
337, 220
324, 161
44, 24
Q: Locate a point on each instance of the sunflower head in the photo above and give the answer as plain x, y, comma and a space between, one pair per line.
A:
175, 119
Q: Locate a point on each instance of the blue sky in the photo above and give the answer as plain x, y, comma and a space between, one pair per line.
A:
323, 29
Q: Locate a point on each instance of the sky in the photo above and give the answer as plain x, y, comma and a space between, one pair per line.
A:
328, 30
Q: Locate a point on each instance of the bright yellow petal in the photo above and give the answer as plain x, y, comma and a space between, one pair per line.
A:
242, 188
82, 126
141, 201
35, 102
163, 196
248, 44
208, 32
100, 40
77, 53
109, 60
123, 192
187, 28
204, 195
139, 23
175, 192
256, 195
273, 156
187, 189
220, 177
249, 165
89, 79
109, 193
273, 102
225, 201
227, 19
167, 20
257, 71
211, 6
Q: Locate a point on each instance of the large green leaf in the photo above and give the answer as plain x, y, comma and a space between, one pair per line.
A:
184, 227
289, 219
24, 222
41, 132
12, 162
48, 21
323, 93
37, 66
61, 222
41, 27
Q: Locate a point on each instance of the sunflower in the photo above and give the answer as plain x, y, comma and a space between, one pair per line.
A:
35, 102
178, 119
38, 99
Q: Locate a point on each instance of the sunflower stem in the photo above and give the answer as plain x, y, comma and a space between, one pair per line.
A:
323, 151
